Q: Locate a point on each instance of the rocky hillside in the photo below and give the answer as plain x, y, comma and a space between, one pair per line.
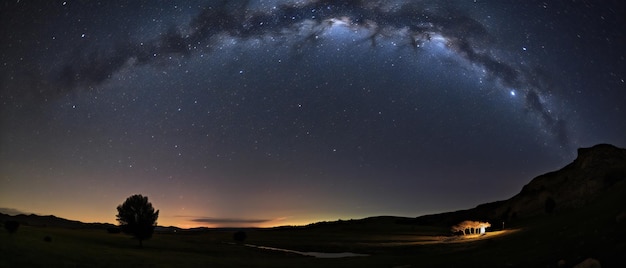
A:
593, 172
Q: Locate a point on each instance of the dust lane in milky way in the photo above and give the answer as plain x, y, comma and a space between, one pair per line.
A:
406, 24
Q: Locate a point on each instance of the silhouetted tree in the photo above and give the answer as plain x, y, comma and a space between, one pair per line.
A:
240, 236
550, 205
11, 226
137, 217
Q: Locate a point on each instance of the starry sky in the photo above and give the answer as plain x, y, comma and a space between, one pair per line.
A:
267, 113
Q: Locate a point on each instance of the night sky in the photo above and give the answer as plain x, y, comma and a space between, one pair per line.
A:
266, 113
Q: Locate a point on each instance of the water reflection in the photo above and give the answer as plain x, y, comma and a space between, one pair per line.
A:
313, 254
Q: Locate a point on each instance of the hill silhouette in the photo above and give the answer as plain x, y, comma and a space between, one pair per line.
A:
52, 221
596, 171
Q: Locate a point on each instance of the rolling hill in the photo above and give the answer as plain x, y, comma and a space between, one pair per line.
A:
596, 172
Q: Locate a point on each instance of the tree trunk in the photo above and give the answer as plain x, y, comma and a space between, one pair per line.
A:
140, 243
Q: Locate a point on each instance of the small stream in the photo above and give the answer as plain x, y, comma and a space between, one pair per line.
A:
313, 254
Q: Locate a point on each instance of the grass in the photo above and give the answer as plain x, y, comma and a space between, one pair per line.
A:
96, 248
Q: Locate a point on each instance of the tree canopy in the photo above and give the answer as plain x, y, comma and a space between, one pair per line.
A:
137, 217
471, 226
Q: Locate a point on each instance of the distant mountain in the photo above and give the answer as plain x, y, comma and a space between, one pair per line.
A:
11, 211
52, 221
593, 173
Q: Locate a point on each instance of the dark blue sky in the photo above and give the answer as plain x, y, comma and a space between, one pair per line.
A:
267, 113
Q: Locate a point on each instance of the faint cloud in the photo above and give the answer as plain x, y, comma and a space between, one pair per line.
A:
11, 211
230, 221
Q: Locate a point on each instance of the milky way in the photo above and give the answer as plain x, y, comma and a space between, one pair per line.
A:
299, 24
285, 112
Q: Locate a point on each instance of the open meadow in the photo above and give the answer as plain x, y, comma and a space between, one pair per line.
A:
97, 248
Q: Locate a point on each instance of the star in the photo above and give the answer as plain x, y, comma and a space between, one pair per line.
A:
402, 107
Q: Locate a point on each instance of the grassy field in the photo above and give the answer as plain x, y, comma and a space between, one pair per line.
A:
96, 248
406, 246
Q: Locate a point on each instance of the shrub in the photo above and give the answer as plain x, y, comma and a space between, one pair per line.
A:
240, 236
11, 226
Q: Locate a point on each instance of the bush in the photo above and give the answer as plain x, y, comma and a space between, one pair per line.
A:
240, 236
11, 226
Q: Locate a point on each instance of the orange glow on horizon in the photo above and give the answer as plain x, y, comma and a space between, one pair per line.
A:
182, 222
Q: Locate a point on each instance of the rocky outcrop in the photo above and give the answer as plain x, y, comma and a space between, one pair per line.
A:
594, 170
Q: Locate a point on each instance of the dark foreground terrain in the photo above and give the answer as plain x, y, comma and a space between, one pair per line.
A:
559, 219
